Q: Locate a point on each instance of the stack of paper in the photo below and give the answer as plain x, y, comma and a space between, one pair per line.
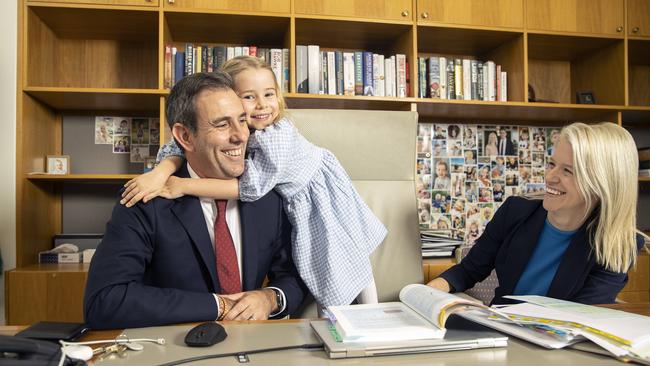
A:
438, 243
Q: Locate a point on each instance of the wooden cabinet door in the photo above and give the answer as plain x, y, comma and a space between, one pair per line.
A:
267, 6
579, 16
638, 18
374, 9
106, 2
488, 13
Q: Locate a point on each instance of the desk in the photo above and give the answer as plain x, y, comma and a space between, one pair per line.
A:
262, 334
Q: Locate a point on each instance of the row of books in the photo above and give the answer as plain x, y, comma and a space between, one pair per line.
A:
351, 73
462, 79
202, 58
438, 243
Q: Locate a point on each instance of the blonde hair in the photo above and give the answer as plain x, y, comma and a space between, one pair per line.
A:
606, 165
242, 63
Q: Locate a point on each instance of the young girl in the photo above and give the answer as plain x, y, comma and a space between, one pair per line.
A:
334, 231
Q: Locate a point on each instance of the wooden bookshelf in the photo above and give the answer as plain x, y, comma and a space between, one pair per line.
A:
106, 57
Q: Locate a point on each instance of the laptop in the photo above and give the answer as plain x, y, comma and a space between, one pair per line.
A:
461, 334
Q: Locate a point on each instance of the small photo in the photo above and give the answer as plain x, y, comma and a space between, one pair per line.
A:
457, 184
512, 179
487, 211
537, 176
154, 131
484, 175
539, 139
457, 206
473, 231
552, 137
512, 163
458, 222
511, 191
470, 157
485, 195
535, 188
498, 190
140, 131
455, 148
440, 201
473, 211
423, 145
440, 132
423, 194
524, 174
150, 163
470, 172
58, 164
441, 170
424, 130
469, 137
490, 146
121, 144
139, 153
453, 131
538, 159
423, 166
122, 125
440, 222
103, 130
440, 148
524, 156
471, 192
524, 138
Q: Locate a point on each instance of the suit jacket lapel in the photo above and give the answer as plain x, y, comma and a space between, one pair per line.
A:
573, 265
249, 244
521, 249
189, 213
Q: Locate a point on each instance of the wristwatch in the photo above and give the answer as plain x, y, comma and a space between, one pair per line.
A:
279, 299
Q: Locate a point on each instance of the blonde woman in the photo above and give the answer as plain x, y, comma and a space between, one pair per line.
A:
491, 145
579, 241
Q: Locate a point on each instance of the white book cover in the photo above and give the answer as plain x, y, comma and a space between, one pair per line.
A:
313, 69
393, 84
230, 53
348, 73
276, 64
443, 77
238, 51
245, 51
331, 73
285, 70
504, 87
388, 77
467, 79
378, 74
400, 71
491, 79
323, 69
486, 93
301, 69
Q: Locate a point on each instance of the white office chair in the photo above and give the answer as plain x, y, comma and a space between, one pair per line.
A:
377, 149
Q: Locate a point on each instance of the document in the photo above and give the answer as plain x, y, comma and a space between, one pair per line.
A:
420, 314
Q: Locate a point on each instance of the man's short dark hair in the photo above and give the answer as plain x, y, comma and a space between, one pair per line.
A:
180, 106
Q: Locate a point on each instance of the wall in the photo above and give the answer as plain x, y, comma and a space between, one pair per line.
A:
8, 38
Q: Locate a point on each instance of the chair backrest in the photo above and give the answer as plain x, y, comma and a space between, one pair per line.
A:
377, 149
484, 290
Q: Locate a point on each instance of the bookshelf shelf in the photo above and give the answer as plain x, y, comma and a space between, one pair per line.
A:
80, 177
98, 99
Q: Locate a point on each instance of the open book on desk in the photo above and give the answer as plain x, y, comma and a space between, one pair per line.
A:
420, 314
553, 323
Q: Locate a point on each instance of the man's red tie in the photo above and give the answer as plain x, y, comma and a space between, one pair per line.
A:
224, 249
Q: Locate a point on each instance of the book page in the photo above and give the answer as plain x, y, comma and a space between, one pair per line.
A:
433, 304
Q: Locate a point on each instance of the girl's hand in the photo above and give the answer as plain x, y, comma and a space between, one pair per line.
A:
143, 187
173, 188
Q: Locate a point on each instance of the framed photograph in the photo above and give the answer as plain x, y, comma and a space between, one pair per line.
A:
585, 97
58, 164
149, 164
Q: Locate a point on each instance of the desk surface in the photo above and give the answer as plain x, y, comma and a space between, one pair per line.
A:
263, 334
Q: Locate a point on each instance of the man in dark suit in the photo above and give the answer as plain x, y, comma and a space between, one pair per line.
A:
505, 146
157, 262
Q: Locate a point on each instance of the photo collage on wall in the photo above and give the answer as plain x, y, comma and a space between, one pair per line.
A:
129, 135
465, 172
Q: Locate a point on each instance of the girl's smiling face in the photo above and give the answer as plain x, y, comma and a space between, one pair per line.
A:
259, 95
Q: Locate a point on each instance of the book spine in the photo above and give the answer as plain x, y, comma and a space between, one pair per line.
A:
393, 73
378, 74
400, 69
348, 73
358, 73
230, 53
301, 69
168, 67
173, 69
434, 77
245, 51
442, 69
480, 93
368, 87
180, 66
238, 51
276, 64
467, 79
407, 72
491, 79
189, 59
497, 77
451, 79
331, 73
252, 51
459, 81
220, 56
504, 87
210, 59
422, 79
474, 83
338, 69
285, 70
313, 68
323, 73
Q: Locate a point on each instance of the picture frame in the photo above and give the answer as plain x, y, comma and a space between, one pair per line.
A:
58, 164
585, 97
149, 164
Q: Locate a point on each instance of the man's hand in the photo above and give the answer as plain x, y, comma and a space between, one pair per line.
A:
440, 284
251, 305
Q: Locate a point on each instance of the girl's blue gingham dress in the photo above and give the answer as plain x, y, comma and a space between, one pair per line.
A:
334, 231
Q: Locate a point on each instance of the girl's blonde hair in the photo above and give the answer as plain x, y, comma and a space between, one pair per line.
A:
606, 164
242, 63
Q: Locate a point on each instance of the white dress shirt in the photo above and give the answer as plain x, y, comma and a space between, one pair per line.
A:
209, 207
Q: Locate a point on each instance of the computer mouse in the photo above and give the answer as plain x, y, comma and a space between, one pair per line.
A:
205, 335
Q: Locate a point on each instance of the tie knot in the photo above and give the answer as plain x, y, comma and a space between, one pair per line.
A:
221, 206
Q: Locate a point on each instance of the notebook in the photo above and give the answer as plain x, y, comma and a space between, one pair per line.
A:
461, 334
